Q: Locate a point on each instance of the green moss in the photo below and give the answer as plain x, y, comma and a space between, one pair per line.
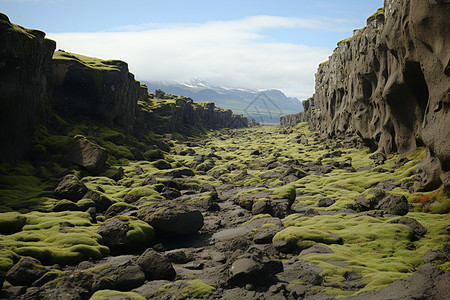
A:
372, 247
304, 237
11, 222
154, 154
197, 289
284, 192
109, 294
379, 11
89, 62
140, 232
63, 238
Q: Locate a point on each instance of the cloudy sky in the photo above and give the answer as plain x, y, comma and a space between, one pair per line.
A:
256, 44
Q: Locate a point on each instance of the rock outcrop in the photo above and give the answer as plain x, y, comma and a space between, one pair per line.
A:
109, 94
35, 87
389, 83
25, 60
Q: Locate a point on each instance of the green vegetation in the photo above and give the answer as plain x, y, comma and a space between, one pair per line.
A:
108, 294
63, 238
90, 62
379, 11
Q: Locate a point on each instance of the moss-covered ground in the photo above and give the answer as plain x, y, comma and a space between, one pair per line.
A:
256, 160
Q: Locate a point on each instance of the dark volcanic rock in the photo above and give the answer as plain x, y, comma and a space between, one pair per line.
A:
70, 188
114, 233
389, 83
172, 218
254, 267
428, 283
415, 226
87, 155
25, 58
25, 272
156, 265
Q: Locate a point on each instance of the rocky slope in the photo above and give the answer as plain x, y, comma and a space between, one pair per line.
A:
40, 86
234, 215
389, 84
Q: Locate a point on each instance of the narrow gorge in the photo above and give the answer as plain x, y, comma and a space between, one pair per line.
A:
109, 191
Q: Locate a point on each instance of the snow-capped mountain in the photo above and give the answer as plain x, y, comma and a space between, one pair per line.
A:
264, 106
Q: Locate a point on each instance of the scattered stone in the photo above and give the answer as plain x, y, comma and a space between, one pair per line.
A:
102, 202
162, 164
114, 233
325, 202
254, 267
303, 271
179, 256
156, 265
172, 218
87, 155
378, 158
25, 272
415, 226
394, 205
70, 188
317, 248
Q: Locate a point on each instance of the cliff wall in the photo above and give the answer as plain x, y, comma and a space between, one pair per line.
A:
36, 82
389, 84
25, 62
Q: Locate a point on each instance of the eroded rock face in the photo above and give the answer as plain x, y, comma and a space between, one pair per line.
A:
87, 154
389, 84
25, 61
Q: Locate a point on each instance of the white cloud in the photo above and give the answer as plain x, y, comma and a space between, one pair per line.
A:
230, 53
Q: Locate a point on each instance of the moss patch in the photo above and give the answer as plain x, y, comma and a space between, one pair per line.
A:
111, 294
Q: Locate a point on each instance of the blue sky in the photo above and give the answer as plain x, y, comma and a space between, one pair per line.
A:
247, 44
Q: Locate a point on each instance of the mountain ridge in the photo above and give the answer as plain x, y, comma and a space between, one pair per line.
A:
240, 100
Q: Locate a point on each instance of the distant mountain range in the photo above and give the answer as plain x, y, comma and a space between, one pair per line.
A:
263, 106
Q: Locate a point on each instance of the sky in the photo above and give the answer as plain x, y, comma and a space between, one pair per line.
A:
253, 44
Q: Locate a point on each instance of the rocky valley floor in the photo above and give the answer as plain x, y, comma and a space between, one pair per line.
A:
257, 213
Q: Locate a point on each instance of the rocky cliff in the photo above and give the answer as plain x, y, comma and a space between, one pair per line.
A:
37, 83
25, 61
389, 84
165, 113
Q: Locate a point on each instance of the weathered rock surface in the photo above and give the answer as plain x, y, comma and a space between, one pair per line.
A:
25, 272
70, 188
389, 84
428, 283
87, 155
25, 62
156, 266
172, 219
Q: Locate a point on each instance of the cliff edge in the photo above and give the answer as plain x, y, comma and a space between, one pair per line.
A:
389, 84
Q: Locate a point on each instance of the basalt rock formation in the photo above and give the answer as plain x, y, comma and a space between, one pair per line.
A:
37, 83
25, 61
389, 84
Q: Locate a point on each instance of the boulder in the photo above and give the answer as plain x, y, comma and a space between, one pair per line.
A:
25, 272
325, 202
172, 218
394, 205
304, 271
254, 267
121, 232
70, 188
415, 226
156, 266
114, 233
161, 164
87, 154
102, 202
